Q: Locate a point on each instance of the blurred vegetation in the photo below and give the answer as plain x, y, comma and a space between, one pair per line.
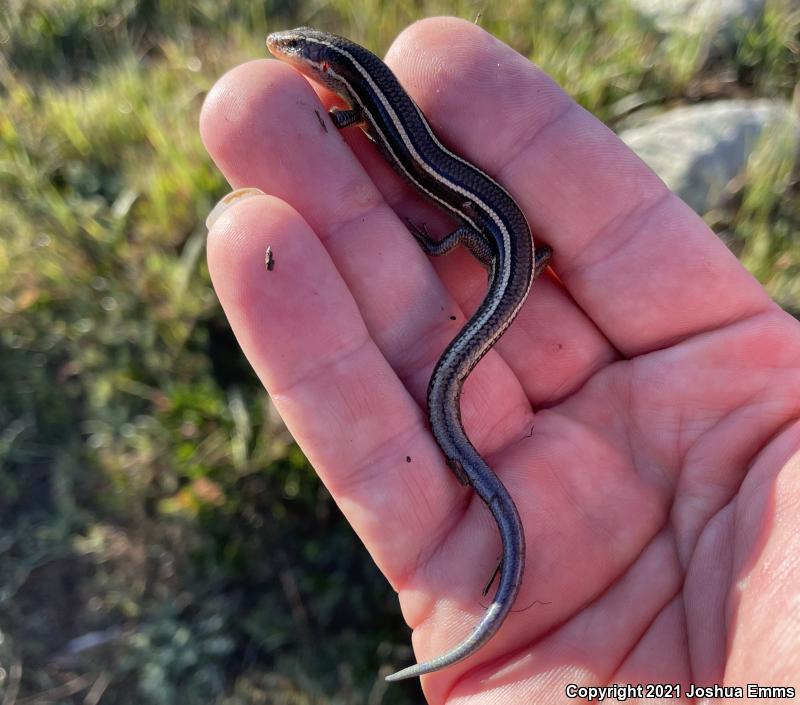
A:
163, 540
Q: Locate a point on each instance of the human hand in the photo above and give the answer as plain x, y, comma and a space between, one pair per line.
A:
657, 480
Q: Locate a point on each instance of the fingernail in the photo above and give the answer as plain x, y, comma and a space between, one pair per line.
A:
240, 194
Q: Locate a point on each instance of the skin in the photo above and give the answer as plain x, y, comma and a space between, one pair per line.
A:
642, 410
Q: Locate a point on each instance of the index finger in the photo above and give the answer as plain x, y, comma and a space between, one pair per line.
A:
634, 257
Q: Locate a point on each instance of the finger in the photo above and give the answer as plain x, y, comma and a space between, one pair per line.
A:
303, 334
635, 258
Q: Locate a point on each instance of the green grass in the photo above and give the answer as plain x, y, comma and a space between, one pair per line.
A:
149, 498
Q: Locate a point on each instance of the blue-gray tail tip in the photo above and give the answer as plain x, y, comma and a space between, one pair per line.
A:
410, 672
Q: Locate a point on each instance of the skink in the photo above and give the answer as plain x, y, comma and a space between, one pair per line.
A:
492, 227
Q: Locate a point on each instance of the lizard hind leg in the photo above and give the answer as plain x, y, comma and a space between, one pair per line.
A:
345, 118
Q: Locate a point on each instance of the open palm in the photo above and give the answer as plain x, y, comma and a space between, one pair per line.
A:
642, 410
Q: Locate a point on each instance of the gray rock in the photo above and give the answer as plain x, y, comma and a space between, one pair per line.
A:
711, 17
697, 150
